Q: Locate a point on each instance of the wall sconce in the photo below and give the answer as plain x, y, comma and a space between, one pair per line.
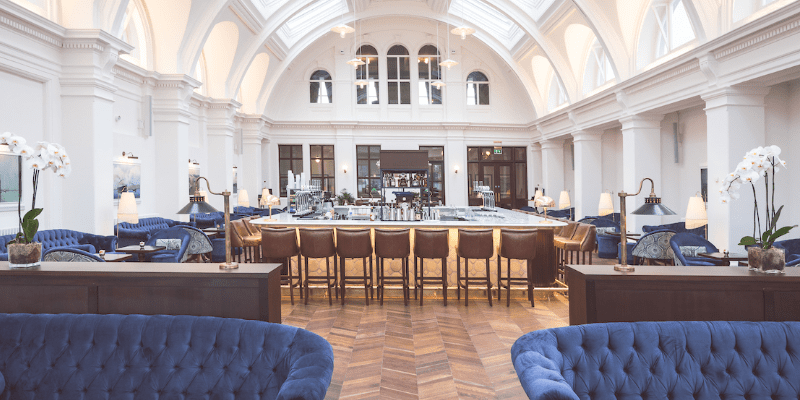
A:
455, 168
344, 168
129, 155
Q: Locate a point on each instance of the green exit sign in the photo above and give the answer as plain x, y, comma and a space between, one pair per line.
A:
498, 150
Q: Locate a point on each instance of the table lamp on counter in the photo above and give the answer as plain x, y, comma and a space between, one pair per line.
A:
198, 205
652, 206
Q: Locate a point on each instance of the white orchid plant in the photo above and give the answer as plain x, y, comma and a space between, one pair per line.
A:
757, 164
43, 157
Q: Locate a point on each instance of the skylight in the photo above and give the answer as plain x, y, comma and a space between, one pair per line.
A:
491, 20
309, 18
534, 8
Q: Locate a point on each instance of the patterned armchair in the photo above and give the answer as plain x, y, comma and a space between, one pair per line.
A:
199, 243
654, 246
70, 254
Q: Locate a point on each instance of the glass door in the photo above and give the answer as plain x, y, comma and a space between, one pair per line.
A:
502, 169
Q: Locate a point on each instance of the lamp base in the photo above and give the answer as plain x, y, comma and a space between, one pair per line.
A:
547, 221
624, 268
231, 265
270, 220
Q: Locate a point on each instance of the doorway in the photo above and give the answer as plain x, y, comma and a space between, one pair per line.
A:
504, 169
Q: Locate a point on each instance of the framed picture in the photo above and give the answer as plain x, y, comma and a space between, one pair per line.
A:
127, 177
9, 176
194, 173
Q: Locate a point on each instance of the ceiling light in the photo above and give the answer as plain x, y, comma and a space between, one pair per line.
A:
438, 84
361, 83
448, 63
343, 30
356, 62
462, 31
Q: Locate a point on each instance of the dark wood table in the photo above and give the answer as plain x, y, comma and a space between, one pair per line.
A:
250, 292
141, 251
597, 293
723, 257
115, 257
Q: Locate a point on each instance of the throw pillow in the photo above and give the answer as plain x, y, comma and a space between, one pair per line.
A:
691, 251
606, 229
170, 244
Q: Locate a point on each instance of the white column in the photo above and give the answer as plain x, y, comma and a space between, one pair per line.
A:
534, 168
588, 172
456, 184
553, 168
641, 152
251, 159
344, 151
87, 110
735, 118
221, 128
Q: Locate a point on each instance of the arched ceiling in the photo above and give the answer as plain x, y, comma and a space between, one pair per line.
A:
536, 38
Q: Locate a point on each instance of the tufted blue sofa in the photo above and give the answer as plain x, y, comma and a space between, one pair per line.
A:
678, 227
792, 249
132, 234
661, 360
53, 238
93, 356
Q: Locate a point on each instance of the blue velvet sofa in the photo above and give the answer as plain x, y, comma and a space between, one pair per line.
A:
792, 248
53, 238
91, 356
132, 234
678, 227
661, 360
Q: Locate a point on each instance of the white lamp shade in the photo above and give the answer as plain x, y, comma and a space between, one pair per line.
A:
563, 200
696, 215
272, 200
537, 195
264, 195
126, 212
606, 205
243, 200
545, 201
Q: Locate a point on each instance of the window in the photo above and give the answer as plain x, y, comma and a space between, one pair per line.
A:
367, 93
674, 27
369, 170
290, 158
323, 167
399, 75
598, 68
134, 33
429, 72
321, 87
477, 89
436, 171
557, 97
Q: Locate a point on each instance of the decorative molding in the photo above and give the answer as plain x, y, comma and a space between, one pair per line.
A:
401, 126
767, 35
31, 24
666, 76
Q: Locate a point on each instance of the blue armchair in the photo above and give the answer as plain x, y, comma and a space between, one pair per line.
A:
69, 254
606, 244
170, 255
792, 249
686, 246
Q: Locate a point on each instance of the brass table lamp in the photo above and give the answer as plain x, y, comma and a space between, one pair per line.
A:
197, 205
545, 202
652, 206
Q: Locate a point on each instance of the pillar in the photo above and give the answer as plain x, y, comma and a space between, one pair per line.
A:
456, 183
588, 172
344, 152
534, 168
251, 169
553, 168
221, 128
735, 118
87, 112
641, 154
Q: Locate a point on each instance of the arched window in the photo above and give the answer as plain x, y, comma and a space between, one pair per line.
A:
556, 96
200, 74
598, 68
399, 75
134, 32
674, 27
429, 71
321, 87
477, 89
368, 73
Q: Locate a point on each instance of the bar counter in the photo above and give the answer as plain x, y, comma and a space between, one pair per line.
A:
544, 266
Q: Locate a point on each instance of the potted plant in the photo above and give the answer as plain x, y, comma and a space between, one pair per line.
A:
757, 164
345, 198
22, 251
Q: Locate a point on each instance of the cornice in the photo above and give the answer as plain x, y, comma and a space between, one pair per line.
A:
402, 126
30, 24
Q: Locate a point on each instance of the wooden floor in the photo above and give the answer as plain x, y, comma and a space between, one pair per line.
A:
428, 352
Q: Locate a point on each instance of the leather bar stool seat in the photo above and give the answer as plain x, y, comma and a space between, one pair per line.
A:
355, 243
516, 244
430, 244
584, 242
249, 243
478, 245
281, 244
319, 243
393, 244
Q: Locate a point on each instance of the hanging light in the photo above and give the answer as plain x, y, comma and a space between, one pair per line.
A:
462, 30
343, 29
355, 62
448, 62
361, 83
438, 83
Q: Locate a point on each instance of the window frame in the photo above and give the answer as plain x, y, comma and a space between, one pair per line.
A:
399, 80
478, 92
327, 178
424, 84
431, 164
368, 178
283, 179
328, 83
365, 70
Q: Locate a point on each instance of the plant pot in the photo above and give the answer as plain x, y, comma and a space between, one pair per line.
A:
24, 255
771, 261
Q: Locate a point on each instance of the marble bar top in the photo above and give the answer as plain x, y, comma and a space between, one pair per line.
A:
477, 219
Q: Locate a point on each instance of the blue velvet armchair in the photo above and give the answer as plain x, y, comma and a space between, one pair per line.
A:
606, 244
686, 246
95, 356
792, 249
170, 255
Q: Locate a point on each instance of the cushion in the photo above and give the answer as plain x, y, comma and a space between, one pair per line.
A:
692, 251
606, 229
170, 244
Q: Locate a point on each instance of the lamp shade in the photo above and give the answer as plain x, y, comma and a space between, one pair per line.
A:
563, 200
126, 212
272, 201
537, 195
197, 205
545, 201
696, 215
652, 206
606, 205
243, 200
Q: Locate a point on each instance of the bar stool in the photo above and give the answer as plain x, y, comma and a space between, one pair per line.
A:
249, 243
432, 244
567, 232
319, 243
478, 245
583, 243
355, 243
392, 243
567, 246
516, 244
281, 244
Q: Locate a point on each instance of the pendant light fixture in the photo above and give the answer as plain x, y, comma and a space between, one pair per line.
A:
360, 82
448, 62
355, 62
438, 83
462, 30
343, 29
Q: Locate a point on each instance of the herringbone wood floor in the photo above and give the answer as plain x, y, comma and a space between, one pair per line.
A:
429, 352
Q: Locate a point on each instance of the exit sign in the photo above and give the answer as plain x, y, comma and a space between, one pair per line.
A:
498, 150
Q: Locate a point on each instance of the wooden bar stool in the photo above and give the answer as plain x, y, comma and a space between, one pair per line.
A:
281, 244
319, 243
516, 244
250, 243
432, 244
392, 243
478, 245
355, 243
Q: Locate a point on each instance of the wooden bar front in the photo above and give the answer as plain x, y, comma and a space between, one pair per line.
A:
597, 294
250, 292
